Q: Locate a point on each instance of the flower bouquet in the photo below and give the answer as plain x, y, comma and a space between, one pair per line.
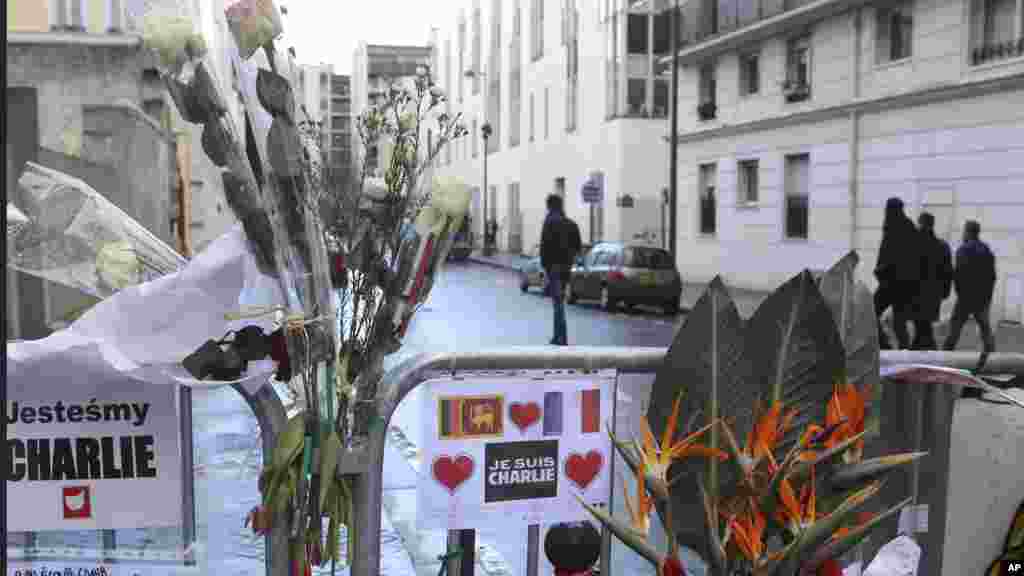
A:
796, 379
354, 260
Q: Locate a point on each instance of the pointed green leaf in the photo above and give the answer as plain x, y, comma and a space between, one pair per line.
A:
818, 533
627, 535
290, 441
853, 309
707, 358
329, 454
850, 475
827, 460
837, 547
793, 343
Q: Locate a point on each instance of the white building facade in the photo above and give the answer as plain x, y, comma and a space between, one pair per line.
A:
797, 123
569, 89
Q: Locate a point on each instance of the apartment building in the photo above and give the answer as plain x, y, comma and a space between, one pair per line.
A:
375, 67
82, 98
327, 98
574, 93
799, 121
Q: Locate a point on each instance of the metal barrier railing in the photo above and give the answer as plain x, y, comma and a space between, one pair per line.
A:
365, 461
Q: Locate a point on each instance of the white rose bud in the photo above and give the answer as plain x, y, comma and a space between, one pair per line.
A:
429, 220
451, 196
406, 121
436, 92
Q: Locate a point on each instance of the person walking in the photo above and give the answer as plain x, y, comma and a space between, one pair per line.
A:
936, 282
898, 272
974, 280
560, 243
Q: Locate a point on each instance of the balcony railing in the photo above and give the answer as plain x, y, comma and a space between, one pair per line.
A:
998, 51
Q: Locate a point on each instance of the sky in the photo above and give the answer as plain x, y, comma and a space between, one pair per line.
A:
328, 31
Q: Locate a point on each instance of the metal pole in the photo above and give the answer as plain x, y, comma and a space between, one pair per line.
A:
486, 193
673, 151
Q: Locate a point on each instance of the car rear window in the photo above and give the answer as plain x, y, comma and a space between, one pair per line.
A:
650, 258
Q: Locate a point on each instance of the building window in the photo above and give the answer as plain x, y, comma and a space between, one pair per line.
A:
798, 69
708, 181
547, 116
636, 96
115, 16
462, 56
323, 80
515, 88
662, 32
997, 30
493, 79
477, 50
707, 109
532, 118
750, 74
537, 29
636, 35
894, 32
797, 196
572, 66
473, 137
747, 181
68, 15
661, 98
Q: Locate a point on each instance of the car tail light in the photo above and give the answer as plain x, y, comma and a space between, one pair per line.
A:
616, 276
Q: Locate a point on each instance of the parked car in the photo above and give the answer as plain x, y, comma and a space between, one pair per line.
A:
615, 273
531, 274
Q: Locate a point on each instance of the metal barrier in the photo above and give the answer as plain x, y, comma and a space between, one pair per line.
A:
365, 461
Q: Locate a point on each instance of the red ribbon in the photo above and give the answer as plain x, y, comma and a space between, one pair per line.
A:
421, 271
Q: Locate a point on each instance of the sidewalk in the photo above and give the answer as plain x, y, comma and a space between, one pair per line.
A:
1009, 337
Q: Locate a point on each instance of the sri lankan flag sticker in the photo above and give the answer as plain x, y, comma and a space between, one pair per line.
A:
463, 417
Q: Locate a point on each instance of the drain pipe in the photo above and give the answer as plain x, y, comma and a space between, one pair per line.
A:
854, 138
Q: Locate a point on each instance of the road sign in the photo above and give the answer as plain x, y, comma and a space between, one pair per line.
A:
593, 188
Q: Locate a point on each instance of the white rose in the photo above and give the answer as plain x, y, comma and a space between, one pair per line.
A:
451, 196
406, 121
117, 265
430, 220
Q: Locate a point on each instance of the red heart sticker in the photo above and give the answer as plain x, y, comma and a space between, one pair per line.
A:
452, 472
524, 415
582, 469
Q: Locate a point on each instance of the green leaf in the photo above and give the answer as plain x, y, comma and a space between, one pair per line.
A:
818, 533
707, 359
290, 441
853, 309
792, 342
329, 453
850, 475
627, 535
837, 547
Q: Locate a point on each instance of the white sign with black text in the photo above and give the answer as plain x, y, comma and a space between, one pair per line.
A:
514, 449
90, 451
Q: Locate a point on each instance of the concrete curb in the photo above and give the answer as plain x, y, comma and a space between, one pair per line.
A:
492, 263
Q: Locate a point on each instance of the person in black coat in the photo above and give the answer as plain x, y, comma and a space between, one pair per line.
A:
560, 243
975, 280
936, 282
898, 272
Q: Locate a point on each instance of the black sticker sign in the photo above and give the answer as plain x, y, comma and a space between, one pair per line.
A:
520, 471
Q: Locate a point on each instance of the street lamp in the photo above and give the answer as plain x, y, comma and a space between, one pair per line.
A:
485, 133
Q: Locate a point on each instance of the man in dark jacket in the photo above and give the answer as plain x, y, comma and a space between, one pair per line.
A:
936, 282
975, 280
898, 272
559, 244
